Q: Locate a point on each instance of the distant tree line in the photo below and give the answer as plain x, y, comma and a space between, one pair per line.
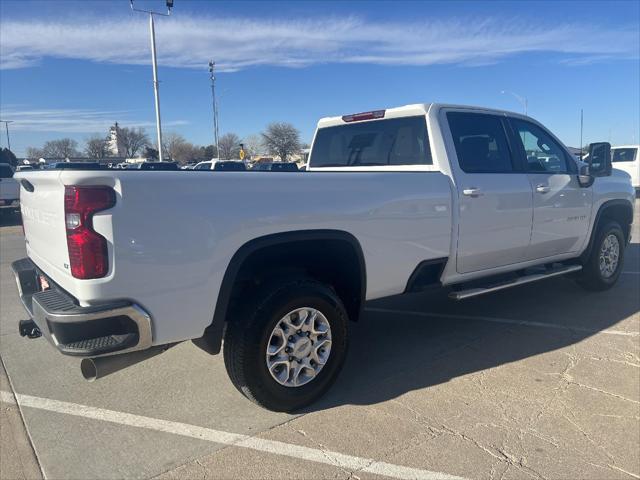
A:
279, 139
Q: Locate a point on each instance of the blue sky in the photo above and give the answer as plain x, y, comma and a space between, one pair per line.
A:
73, 68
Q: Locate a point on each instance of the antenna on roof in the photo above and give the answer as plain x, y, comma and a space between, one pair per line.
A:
581, 126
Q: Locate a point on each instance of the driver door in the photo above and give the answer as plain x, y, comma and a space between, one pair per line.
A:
561, 207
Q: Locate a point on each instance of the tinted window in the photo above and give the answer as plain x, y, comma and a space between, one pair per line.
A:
284, 167
396, 141
623, 155
229, 167
6, 171
543, 153
203, 166
481, 143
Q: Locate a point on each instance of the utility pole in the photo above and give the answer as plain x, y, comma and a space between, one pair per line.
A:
212, 66
6, 126
154, 63
522, 100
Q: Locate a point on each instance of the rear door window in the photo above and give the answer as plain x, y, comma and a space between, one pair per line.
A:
394, 141
481, 142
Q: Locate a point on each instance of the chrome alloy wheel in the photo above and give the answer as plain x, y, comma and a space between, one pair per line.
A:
299, 347
609, 255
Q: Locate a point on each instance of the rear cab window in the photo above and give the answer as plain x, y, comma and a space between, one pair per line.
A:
387, 142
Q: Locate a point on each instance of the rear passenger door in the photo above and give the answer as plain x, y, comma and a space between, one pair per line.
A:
561, 207
495, 204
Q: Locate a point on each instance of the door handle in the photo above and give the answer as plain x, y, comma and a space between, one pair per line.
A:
472, 192
543, 188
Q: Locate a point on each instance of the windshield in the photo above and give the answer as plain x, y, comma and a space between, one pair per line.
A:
624, 154
395, 141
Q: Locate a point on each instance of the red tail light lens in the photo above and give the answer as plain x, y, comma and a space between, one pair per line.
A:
88, 256
356, 117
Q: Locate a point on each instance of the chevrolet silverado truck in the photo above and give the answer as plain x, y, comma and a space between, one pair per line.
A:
276, 266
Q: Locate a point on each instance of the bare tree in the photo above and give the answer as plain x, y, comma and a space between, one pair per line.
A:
63, 148
176, 148
253, 145
33, 153
97, 147
133, 139
229, 145
281, 139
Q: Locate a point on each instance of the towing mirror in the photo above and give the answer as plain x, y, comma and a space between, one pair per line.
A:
600, 159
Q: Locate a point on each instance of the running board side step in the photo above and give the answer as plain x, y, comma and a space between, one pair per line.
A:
474, 292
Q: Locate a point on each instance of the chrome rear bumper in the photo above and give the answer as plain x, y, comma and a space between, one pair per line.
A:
115, 327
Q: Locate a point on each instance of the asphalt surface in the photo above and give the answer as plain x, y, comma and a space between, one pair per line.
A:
541, 381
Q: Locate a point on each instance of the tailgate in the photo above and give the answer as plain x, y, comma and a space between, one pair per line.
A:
42, 206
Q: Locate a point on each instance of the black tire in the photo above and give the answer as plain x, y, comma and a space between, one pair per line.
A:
248, 333
591, 278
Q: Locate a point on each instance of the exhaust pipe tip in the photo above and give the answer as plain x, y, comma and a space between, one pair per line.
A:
89, 369
95, 368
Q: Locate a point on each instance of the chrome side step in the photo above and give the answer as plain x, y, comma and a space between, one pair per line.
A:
474, 292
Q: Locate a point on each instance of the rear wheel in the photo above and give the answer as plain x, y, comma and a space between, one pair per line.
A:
285, 348
604, 264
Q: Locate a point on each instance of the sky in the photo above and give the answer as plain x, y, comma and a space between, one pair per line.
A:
73, 68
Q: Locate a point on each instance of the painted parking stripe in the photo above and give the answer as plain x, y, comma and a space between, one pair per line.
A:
505, 320
335, 459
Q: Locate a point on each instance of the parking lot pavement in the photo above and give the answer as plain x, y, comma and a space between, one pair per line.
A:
542, 381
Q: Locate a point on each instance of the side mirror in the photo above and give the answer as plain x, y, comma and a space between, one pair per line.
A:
585, 179
600, 159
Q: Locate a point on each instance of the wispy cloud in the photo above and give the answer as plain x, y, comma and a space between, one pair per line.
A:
236, 43
75, 120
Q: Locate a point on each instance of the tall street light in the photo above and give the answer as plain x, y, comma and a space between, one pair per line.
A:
523, 100
154, 63
212, 66
6, 126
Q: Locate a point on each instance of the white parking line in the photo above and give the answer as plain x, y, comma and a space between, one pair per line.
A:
335, 459
505, 320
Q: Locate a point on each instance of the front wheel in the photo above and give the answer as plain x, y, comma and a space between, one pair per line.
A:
285, 348
604, 264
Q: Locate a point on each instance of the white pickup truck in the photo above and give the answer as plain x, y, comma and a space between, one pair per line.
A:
394, 201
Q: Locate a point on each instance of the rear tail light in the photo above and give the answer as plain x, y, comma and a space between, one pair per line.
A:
88, 256
356, 117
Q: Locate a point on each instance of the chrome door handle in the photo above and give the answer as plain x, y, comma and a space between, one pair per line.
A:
472, 192
543, 189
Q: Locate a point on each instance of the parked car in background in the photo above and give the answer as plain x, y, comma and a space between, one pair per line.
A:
229, 166
9, 188
206, 165
166, 166
275, 167
627, 159
75, 166
409, 198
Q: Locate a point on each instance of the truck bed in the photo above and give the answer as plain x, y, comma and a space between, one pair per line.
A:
171, 236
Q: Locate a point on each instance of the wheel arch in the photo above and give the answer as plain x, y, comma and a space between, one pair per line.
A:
282, 242
618, 210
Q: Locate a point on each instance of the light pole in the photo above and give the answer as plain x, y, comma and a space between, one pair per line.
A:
154, 63
6, 126
523, 100
212, 66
